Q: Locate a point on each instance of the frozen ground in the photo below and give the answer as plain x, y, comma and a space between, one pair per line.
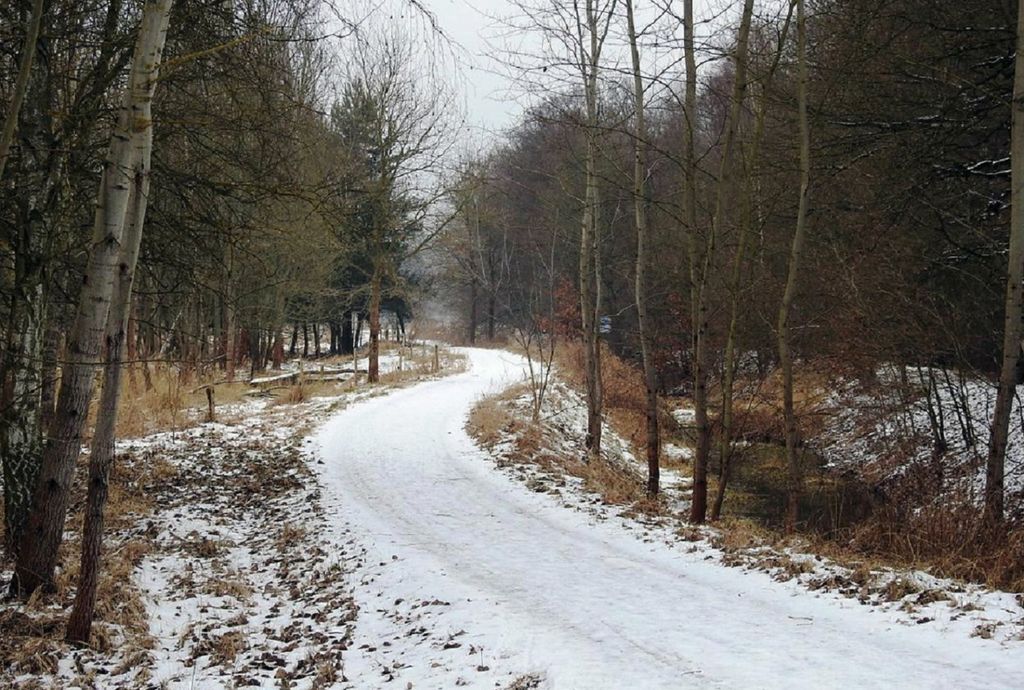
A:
881, 433
365, 541
521, 585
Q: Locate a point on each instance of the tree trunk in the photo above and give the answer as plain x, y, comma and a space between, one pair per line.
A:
21, 378
348, 344
373, 366
277, 349
28, 52
652, 439
996, 461
230, 336
724, 183
102, 454
21, 438
48, 393
589, 283
131, 345
45, 525
698, 316
793, 468
471, 332
492, 307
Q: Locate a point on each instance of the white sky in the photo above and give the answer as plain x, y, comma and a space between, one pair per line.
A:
491, 100
471, 24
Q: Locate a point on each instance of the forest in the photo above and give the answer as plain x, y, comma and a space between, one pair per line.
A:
732, 304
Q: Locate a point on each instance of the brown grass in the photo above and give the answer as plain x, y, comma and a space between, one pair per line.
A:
228, 646
492, 418
417, 362
625, 394
946, 538
176, 400
31, 640
176, 397
496, 418
299, 393
289, 536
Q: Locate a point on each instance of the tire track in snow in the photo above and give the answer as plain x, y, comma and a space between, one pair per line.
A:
585, 602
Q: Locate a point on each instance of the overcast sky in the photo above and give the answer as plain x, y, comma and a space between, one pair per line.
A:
470, 24
491, 101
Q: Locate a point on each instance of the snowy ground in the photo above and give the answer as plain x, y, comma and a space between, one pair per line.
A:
880, 433
365, 541
530, 587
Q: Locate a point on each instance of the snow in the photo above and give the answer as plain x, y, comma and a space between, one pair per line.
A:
458, 551
877, 430
677, 453
240, 589
389, 550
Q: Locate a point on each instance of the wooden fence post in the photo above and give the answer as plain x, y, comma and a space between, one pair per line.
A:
210, 415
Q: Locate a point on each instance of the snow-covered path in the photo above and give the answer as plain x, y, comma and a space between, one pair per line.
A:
539, 588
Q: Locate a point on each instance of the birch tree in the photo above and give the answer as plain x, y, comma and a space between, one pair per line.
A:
102, 453
45, 525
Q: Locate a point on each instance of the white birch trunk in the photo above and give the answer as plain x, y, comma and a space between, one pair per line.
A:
45, 525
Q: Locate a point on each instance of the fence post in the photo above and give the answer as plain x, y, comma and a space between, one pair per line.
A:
210, 416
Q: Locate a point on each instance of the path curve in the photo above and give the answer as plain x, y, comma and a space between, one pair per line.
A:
587, 603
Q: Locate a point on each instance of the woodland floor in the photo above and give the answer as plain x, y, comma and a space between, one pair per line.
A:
364, 540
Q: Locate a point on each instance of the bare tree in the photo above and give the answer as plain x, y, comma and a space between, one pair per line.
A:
28, 53
1014, 309
392, 121
794, 473
45, 525
750, 172
698, 270
591, 32
642, 259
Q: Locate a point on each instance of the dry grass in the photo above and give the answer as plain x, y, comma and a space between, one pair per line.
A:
492, 418
944, 537
615, 486
229, 584
625, 395
417, 362
31, 640
289, 536
741, 533
176, 399
172, 398
496, 419
228, 646
302, 392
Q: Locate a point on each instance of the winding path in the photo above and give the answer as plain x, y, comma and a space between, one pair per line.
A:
586, 603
